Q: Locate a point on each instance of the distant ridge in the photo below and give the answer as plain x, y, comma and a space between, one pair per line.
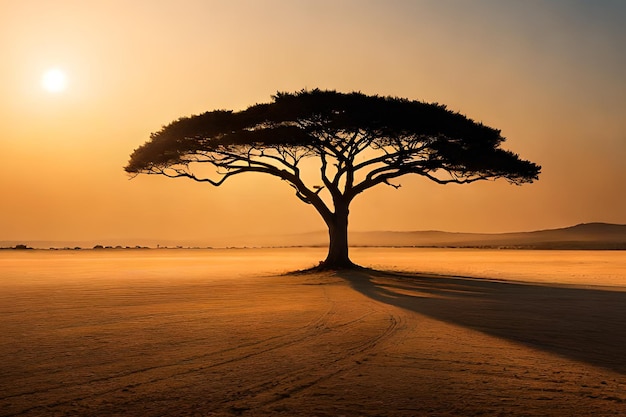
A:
581, 236
590, 236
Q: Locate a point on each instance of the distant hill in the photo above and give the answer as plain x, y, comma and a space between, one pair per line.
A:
600, 236
581, 236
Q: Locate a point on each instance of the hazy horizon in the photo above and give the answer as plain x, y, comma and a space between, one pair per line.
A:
613, 237
550, 75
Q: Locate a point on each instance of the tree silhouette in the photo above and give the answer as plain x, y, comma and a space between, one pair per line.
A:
359, 141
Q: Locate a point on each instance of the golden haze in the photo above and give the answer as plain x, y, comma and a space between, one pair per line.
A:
550, 76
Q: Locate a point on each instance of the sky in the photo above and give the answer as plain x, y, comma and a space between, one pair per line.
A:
549, 73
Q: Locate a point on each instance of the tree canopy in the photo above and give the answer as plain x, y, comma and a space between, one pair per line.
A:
360, 141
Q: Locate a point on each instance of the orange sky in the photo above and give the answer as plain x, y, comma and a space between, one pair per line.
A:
549, 74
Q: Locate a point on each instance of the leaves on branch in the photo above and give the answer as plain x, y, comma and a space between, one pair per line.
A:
361, 141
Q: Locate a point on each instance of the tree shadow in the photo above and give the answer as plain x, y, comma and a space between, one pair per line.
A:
584, 324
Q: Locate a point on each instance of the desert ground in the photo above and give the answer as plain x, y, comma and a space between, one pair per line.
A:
230, 332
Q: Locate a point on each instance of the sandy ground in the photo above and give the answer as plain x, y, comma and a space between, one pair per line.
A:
126, 337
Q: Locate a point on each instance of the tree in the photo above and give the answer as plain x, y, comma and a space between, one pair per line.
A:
359, 142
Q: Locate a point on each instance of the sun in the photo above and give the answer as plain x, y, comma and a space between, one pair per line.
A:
54, 80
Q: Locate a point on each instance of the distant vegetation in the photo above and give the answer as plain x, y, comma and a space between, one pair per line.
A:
99, 247
18, 247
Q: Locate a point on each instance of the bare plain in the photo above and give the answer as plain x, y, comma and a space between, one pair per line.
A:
229, 332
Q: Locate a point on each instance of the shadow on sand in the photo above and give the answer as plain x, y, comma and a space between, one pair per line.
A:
583, 324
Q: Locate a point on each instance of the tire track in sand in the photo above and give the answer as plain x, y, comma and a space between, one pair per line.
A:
132, 379
362, 334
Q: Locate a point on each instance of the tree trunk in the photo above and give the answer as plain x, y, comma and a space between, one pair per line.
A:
337, 257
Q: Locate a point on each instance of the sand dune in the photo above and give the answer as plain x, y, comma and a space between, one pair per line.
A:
98, 335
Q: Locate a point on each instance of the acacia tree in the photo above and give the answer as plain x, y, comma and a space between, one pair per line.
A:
359, 142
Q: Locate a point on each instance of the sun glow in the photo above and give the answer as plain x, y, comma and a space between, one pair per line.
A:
54, 80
